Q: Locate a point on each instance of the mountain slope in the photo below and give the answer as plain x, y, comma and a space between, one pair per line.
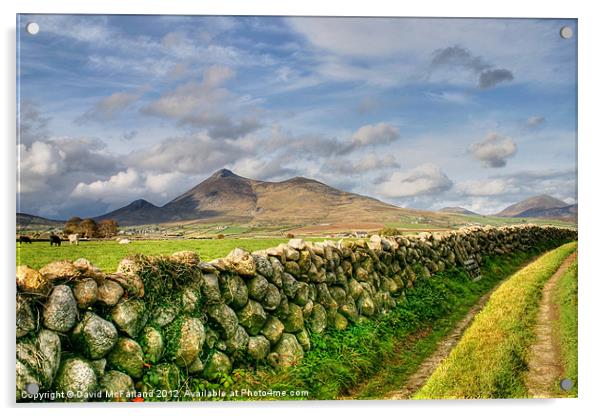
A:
138, 212
540, 202
227, 197
33, 221
457, 210
570, 211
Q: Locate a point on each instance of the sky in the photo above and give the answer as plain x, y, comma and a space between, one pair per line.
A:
420, 113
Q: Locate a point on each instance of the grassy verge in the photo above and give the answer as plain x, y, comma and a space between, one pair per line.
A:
339, 361
566, 297
490, 359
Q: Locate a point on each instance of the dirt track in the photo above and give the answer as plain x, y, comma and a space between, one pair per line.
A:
545, 365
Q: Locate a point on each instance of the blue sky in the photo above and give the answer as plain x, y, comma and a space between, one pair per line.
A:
422, 113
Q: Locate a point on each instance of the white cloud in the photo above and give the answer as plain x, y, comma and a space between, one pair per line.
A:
486, 187
422, 180
494, 150
375, 134
116, 188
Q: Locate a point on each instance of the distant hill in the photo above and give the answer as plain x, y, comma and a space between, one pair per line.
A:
33, 221
138, 212
570, 211
457, 210
531, 206
227, 197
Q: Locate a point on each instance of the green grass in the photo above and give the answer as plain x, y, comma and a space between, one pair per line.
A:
380, 350
108, 254
565, 295
490, 359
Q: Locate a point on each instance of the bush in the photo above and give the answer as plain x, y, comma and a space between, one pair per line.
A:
290, 235
221, 236
388, 232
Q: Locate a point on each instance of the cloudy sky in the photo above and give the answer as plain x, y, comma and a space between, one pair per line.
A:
421, 113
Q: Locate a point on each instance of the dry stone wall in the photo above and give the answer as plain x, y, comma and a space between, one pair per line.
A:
83, 333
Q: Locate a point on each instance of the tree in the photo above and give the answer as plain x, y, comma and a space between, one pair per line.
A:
72, 226
107, 228
88, 228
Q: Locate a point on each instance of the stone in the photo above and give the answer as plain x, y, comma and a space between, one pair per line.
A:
297, 243
304, 261
292, 267
278, 269
62, 270
348, 309
355, 289
235, 292
241, 262
289, 285
109, 293
94, 336
165, 314
40, 357
302, 294
132, 283
318, 319
152, 344
272, 329
31, 281
127, 357
258, 347
271, 299
60, 311
24, 377
190, 340
257, 286
85, 292
25, 319
303, 339
190, 298
294, 321
210, 289
288, 352
130, 316
87, 269
252, 317
290, 253
340, 322
195, 366
117, 386
338, 294
76, 378
366, 305
263, 266
187, 257
223, 318
129, 266
218, 364
99, 366
237, 344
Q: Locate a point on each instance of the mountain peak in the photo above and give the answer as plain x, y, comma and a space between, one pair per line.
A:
140, 203
539, 202
224, 173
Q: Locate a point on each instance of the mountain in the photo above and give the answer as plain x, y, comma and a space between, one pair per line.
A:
33, 221
138, 212
570, 211
227, 197
531, 205
457, 210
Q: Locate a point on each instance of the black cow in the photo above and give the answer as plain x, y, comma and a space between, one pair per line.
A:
24, 239
55, 240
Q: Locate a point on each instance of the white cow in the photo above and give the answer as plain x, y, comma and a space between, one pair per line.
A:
73, 239
124, 241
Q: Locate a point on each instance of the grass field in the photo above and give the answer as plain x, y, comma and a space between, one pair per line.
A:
566, 297
107, 254
490, 359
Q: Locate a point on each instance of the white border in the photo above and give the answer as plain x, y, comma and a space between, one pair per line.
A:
589, 195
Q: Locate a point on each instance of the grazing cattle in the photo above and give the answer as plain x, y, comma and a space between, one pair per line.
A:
55, 240
24, 239
73, 239
124, 241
